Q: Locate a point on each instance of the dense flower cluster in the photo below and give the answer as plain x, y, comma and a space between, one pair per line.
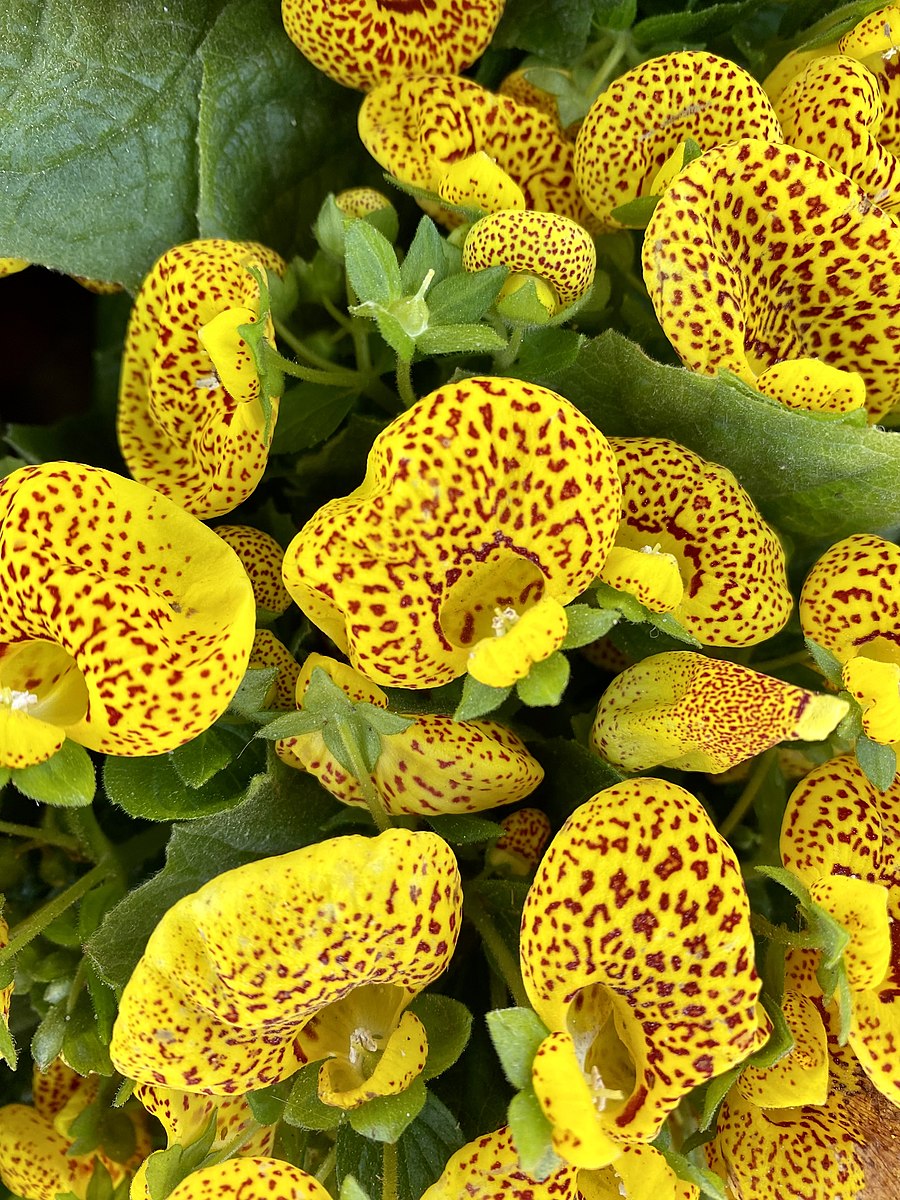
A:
682, 1020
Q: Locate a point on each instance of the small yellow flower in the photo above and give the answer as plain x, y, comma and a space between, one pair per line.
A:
360, 201
261, 557
488, 1169
477, 181
251, 1176
518, 850
125, 624
690, 713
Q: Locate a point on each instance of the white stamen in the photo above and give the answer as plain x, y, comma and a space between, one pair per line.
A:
360, 1040
18, 701
208, 381
503, 620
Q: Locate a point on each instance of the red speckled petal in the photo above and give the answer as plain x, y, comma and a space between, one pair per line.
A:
801, 1077
643, 117
518, 849
731, 562
488, 1169
268, 651
638, 915
555, 248
758, 253
571, 1101
862, 909
639, 1173
485, 495
688, 712
180, 430
34, 1162
261, 557
250, 1179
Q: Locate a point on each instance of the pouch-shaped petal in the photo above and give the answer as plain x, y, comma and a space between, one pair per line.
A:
688, 712
34, 1159
731, 563
417, 128
801, 1077
645, 115
488, 1169
124, 622
518, 849
636, 944
250, 1177
185, 1115
758, 253
487, 495
261, 557
360, 45
257, 952
639, 1173
181, 430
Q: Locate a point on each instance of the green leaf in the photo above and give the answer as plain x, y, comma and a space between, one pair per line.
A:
66, 779
531, 1134
381, 720
686, 26
291, 724
516, 1033
385, 1118
479, 699
175, 131
448, 1024
877, 762
830, 666
250, 698
460, 339
83, 1048
47, 1041
545, 352
7, 1046
636, 214
426, 253
586, 624
464, 830
372, 264
817, 479
198, 760
167, 1168
351, 1189
267, 1104
309, 415
546, 682
151, 787
461, 299
304, 1108
557, 31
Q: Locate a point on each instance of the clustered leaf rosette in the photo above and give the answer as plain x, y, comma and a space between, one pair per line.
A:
36, 1139
125, 624
486, 507
311, 956
688, 712
191, 423
251, 1176
423, 127
637, 955
434, 765
840, 836
366, 43
762, 260
692, 542
642, 121
850, 605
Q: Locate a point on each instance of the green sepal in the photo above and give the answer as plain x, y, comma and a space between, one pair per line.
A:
830, 667
479, 699
546, 682
636, 214
460, 339
448, 1026
428, 251
517, 1033
587, 624
372, 266
386, 1117
522, 307
877, 762
65, 780
464, 829
303, 1106
271, 380
249, 701
709, 1184
167, 1168
464, 298
532, 1135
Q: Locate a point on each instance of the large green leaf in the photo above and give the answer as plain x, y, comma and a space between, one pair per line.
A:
810, 475
182, 118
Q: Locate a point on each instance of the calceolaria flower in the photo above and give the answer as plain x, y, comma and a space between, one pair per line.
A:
125, 624
850, 605
760, 258
643, 120
363, 44
518, 849
637, 955
434, 765
311, 956
191, 422
261, 557
268, 651
692, 542
488, 1169
250, 1176
689, 712
418, 128
486, 507
840, 836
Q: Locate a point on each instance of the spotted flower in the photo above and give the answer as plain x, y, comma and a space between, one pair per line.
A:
35, 1139
644, 118
637, 955
488, 1169
312, 956
850, 605
556, 252
5, 992
486, 507
692, 542
417, 128
435, 765
261, 557
250, 1176
125, 624
268, 651
360, 201
364, 44
518, 849
840, 836
759, 256
191, 423
688, 712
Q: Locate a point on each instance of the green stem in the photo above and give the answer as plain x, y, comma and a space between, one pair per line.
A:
84, 826
389, 1167
506, 358
780, 933
364, 778
404, 382
301, 349
748, 795
357, 329
497, 948
27, 930
603, 74
333, 377
43, 837
326, 1166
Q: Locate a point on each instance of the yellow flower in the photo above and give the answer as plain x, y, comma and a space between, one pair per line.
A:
637, 955
314, 955
518, 850
760, 256
485, 499
488, 1169
364, 44
435, 765
850, 605
690, 713
692, 542
261, 557
248, 1177
268, 651
359, 201
644, 118
125, 624
191, 424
